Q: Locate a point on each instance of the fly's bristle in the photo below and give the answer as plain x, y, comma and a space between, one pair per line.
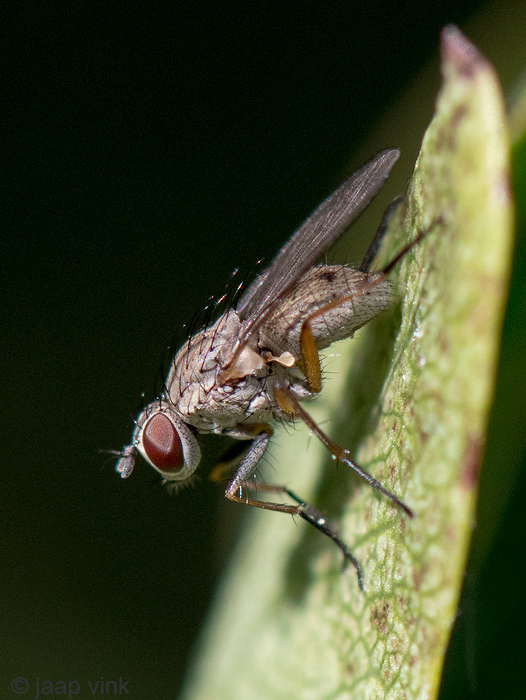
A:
175, 487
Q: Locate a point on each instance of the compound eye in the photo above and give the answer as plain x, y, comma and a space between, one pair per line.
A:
162, 443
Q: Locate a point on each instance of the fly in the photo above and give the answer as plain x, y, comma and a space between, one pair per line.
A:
259, 362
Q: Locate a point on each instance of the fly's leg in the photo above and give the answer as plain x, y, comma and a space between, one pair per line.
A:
309, 351
245, 471
228, 463
316, 518
241, 482
234, 455
308, 348
374, 245
290, 405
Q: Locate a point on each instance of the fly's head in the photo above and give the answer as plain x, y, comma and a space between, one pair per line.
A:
165, 441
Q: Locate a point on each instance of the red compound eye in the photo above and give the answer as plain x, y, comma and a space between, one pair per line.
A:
162, 444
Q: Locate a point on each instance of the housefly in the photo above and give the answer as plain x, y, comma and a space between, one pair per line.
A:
259, 361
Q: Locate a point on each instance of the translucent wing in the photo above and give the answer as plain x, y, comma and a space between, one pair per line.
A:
323, 227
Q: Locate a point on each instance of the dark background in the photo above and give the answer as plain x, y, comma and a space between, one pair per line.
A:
149, 150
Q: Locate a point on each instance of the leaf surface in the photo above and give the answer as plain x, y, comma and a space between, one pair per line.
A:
413, 410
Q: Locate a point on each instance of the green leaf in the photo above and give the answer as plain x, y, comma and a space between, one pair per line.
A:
414, 410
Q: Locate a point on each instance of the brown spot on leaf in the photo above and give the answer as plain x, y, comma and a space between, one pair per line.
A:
349, 669
380, 616
471, 461
417, 575
424, 436
456, 119
450, 534
457, 116
443, 342
447, 137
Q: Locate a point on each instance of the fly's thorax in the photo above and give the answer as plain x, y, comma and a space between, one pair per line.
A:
352, 299
195, 393
201, 357
225, 405
199, 360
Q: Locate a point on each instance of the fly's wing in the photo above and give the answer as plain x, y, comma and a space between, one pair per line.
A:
323, 227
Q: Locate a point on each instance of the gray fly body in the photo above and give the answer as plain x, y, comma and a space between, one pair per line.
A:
260, 360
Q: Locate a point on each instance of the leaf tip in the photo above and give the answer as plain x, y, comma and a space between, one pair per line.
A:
458, 52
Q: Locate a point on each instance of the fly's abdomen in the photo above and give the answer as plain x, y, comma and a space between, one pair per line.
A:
334, 300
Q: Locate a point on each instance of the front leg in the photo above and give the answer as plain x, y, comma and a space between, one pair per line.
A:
241, 480
246, 469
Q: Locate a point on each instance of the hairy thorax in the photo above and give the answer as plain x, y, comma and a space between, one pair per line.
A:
198, 396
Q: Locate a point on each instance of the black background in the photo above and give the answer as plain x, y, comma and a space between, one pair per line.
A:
150, 149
